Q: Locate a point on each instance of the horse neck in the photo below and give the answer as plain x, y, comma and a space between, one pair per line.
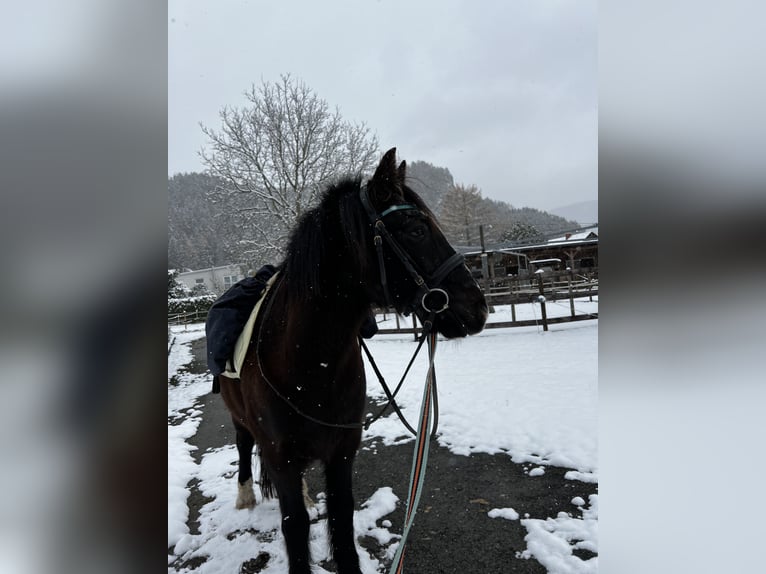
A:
314, 327
340, 301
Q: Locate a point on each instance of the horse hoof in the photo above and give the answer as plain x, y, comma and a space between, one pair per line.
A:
245, 495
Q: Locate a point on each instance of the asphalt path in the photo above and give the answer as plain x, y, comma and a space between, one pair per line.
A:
452, 532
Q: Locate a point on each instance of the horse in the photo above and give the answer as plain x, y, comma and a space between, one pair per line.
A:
301, 393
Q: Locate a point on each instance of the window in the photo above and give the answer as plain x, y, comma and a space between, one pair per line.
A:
229, 280
199, 281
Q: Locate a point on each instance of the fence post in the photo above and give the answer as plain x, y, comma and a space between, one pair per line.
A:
571, 297
543, 310
514, 285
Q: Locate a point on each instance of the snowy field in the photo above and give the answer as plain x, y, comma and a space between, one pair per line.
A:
517, 392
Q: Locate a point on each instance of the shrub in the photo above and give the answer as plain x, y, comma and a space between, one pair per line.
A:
199, 305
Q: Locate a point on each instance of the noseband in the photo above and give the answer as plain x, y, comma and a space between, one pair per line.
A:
432, 298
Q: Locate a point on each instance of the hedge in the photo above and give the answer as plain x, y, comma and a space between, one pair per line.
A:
199, 305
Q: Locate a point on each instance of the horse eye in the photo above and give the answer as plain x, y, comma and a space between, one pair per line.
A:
419, 232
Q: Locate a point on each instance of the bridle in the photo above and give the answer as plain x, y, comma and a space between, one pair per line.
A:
423, 293
432, 298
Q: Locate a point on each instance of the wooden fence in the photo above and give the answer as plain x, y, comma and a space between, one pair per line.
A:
537, 289
197, 316
552, 286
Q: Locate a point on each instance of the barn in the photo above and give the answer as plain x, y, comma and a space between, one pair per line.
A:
576, 251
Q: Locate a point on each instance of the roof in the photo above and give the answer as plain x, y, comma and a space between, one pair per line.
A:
207, 269
545, 261
590, 233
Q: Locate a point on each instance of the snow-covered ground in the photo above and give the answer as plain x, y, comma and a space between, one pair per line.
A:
520, 391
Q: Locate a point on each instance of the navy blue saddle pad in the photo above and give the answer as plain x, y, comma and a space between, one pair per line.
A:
228, 316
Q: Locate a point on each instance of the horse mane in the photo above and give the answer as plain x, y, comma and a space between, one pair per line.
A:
332, 237
335, 236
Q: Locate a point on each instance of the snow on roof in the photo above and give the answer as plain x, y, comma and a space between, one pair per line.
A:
207, 269
585, 234
545, 261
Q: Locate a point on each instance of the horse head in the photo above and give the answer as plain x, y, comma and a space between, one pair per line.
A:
419, 270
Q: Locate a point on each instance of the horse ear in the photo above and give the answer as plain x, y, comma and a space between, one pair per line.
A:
402, 172
385, 183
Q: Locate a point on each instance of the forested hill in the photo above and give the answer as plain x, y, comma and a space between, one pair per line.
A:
462, 208
203, 232
196, 224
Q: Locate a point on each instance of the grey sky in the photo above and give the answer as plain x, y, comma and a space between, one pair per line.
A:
504, 94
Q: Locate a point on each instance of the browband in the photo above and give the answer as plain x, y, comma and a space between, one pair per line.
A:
396, 208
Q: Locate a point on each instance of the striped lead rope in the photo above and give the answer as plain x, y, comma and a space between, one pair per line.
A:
419, 457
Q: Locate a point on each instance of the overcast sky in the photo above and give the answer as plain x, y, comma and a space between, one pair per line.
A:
503, 94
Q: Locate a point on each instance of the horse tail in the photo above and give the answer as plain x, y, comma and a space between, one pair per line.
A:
267, 487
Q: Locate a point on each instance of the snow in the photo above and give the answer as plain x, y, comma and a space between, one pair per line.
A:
180, 466
581, 476
382, 502
229, 537
549, 541
183, 422
507, 513
522, 391
180, 353
519, 392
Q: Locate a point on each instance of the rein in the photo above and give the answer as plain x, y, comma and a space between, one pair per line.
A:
287, 401
429, 301
428, 406
427, 332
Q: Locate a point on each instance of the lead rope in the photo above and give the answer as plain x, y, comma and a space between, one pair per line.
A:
419, 456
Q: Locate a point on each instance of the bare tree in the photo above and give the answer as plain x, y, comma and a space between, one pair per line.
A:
278, 153
462, 211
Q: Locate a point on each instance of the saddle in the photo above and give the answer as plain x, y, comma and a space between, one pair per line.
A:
231, 319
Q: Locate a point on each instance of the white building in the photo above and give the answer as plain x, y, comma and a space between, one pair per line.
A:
216, 279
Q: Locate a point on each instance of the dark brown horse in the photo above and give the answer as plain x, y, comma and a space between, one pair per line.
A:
302, 393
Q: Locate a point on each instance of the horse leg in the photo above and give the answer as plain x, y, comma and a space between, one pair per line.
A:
245, 442
307, 500
287, 480
340, 512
